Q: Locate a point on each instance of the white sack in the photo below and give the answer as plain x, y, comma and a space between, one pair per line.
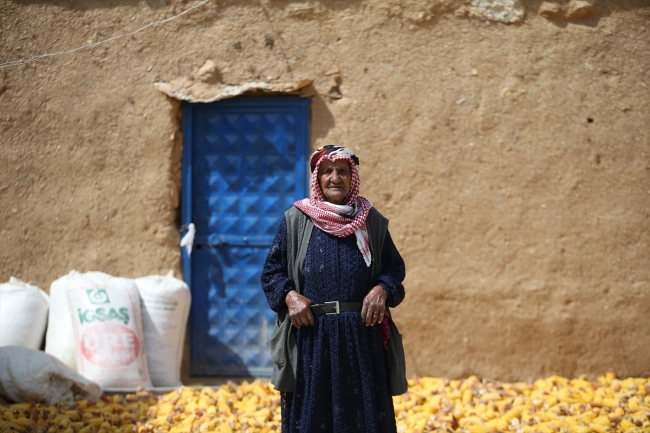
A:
28, 375
165, 309
59, 339
23, 314
107, 326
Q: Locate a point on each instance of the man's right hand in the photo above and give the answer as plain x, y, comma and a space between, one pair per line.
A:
299, 309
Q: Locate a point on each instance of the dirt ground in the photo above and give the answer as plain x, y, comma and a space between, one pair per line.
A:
512, 158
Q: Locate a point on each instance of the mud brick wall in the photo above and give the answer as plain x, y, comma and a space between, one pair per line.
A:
507, 141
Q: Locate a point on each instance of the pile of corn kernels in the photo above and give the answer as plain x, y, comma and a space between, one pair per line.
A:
554, 404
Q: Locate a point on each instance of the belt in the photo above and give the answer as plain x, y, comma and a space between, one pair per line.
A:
335, 307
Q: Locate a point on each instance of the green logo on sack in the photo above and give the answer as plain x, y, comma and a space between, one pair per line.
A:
103, 315
98, 296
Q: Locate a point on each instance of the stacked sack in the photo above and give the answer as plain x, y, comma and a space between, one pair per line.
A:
23, 314
102, 331
95, 327
26, 373
118, 332
165, 310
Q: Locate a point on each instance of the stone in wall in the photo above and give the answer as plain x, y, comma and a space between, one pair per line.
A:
579, 10
209, 73
551, 11
505, 11
575, 10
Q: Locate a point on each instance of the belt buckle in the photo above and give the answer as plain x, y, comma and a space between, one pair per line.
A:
336, 307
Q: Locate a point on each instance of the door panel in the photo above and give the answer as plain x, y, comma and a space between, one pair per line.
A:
244, 164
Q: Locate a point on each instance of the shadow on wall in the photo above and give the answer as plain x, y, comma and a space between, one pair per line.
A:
322, 119
558, 12
96, 4
583, 11
158, 4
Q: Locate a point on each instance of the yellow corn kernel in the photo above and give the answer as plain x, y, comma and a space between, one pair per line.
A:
95, 422
558, 380
602, 420
599, 428
611, 403
73, 415
511, 414
626, 425
490, 396
9, 426
7, 415
496, 424
23, 422
468, 395
526, 417
61, 421
633, 404
545, 427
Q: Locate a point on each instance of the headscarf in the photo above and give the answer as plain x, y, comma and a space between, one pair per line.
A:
338, 220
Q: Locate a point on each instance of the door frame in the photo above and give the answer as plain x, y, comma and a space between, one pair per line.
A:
187, 172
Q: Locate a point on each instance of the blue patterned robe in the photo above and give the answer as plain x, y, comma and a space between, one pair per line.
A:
342, 378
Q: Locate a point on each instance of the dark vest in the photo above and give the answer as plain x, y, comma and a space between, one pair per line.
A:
283, 342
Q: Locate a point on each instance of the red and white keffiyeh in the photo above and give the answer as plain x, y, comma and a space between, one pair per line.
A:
338, 220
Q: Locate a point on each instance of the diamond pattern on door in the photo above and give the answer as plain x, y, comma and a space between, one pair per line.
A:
244, 164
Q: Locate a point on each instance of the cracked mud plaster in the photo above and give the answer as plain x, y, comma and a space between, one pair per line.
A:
187, 90
204, 85
504, 11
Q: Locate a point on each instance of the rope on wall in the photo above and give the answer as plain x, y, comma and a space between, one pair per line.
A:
95, 44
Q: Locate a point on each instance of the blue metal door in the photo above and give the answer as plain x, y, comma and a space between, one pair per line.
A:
244, 164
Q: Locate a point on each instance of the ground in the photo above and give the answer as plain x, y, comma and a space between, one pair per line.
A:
512, 158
